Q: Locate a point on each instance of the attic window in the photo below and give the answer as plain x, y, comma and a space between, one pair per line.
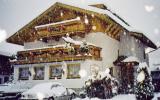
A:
101, 6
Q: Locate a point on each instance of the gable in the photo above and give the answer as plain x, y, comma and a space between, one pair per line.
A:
52, 15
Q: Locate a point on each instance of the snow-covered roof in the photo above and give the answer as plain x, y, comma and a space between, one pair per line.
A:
5, 53
104, 12
131, 59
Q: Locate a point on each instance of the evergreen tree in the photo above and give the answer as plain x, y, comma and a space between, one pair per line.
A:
144, 87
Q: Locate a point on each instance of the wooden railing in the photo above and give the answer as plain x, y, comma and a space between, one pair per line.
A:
57, 54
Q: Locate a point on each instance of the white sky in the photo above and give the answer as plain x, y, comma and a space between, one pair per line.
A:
143, 15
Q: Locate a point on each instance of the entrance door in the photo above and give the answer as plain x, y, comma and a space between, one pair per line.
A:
127, 78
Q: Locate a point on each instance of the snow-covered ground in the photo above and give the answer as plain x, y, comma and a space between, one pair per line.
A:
121, 97
118, 97
156, 95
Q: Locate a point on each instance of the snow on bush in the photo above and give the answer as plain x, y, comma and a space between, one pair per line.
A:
141, 76
143, 65
70, 40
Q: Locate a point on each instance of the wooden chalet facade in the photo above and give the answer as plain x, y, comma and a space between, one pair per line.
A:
104, 31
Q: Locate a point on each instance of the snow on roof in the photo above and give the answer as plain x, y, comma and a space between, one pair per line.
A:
62, 22
70, 40
5, 53
105, 12
131, 59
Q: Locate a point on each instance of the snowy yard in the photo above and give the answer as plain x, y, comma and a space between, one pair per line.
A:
156, 95
121, 97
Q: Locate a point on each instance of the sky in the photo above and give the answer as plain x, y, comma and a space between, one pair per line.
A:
143, 15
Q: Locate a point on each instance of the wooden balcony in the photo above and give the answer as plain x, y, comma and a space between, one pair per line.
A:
56, 54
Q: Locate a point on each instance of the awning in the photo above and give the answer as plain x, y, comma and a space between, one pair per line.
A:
123, 60
144, 39
131, 59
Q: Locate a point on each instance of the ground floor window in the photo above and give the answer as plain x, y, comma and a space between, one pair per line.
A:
73, 71
24, 73
39, 73
56, 71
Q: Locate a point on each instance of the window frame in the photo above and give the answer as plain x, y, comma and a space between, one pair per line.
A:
68, 71
50, 72
43, 72
20, 77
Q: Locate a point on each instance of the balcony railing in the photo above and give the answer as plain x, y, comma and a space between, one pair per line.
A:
56, 54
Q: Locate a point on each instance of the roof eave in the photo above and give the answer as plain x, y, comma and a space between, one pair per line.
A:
144, 39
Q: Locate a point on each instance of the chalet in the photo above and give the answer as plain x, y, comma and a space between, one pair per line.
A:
112, 43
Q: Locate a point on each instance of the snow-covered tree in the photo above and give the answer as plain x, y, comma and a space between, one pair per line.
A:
144, 88
101, 85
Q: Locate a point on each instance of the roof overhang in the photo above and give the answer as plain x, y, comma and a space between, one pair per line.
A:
143, 39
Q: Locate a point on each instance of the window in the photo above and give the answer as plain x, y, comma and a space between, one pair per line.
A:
56, 71
39, 73
24, 73
97, 53
73, 71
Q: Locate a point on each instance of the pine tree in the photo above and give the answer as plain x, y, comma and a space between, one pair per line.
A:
144, 87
